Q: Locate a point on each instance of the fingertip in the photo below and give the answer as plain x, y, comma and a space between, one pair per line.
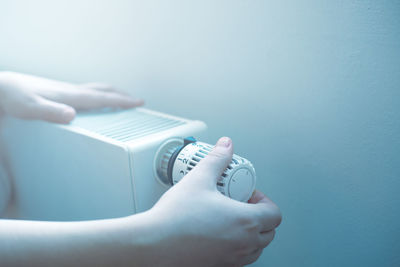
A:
257, 197
225, 142
137, 102
130, 103
68, 115
215, 163
279, 220
224, 146
261, 200
124, 101
50, 111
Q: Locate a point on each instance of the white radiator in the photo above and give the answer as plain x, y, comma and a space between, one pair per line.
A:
99, 166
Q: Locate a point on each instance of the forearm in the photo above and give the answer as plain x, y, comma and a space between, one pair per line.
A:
87, 243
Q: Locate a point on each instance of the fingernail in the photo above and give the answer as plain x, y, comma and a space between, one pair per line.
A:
68, 114
224, 142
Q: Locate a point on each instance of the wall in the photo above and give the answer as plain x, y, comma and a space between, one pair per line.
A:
308, 90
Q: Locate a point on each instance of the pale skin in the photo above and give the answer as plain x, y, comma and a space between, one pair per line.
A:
191, 225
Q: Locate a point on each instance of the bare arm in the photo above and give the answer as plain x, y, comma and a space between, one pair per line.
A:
123, 241
192, 224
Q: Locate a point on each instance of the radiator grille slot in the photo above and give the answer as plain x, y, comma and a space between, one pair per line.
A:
125, 125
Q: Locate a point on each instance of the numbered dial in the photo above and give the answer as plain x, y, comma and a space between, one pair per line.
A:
175, 161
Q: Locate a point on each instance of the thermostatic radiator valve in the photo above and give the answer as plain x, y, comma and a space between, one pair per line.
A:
176, 157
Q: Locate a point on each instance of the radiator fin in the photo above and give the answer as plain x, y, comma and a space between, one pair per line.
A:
125, 125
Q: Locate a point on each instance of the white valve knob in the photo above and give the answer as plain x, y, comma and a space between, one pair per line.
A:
176, 158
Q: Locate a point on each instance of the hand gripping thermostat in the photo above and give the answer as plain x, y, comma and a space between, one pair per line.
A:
176, 157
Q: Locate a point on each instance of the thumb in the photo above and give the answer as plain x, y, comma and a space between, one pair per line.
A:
50, 111
214, 164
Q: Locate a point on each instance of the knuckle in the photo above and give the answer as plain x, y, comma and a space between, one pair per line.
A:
242, 245
254, 256
277, 215
247, 221
247, 255
272, 214
264, 242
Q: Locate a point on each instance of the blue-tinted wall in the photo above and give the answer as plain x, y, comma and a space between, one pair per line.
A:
308, 90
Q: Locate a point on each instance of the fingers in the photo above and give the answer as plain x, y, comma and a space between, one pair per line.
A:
252, 257
266, 238
212, 166
269, 215
257, 197
100, 87
90, 96
267, 212
50, 111
94, 99
97, 99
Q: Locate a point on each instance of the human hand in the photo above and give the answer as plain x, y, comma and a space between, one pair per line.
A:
202, 227
34, 98
192, 224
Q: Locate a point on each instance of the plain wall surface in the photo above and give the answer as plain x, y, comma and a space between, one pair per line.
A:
309, 91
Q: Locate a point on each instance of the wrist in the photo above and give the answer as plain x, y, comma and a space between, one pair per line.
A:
137, 239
